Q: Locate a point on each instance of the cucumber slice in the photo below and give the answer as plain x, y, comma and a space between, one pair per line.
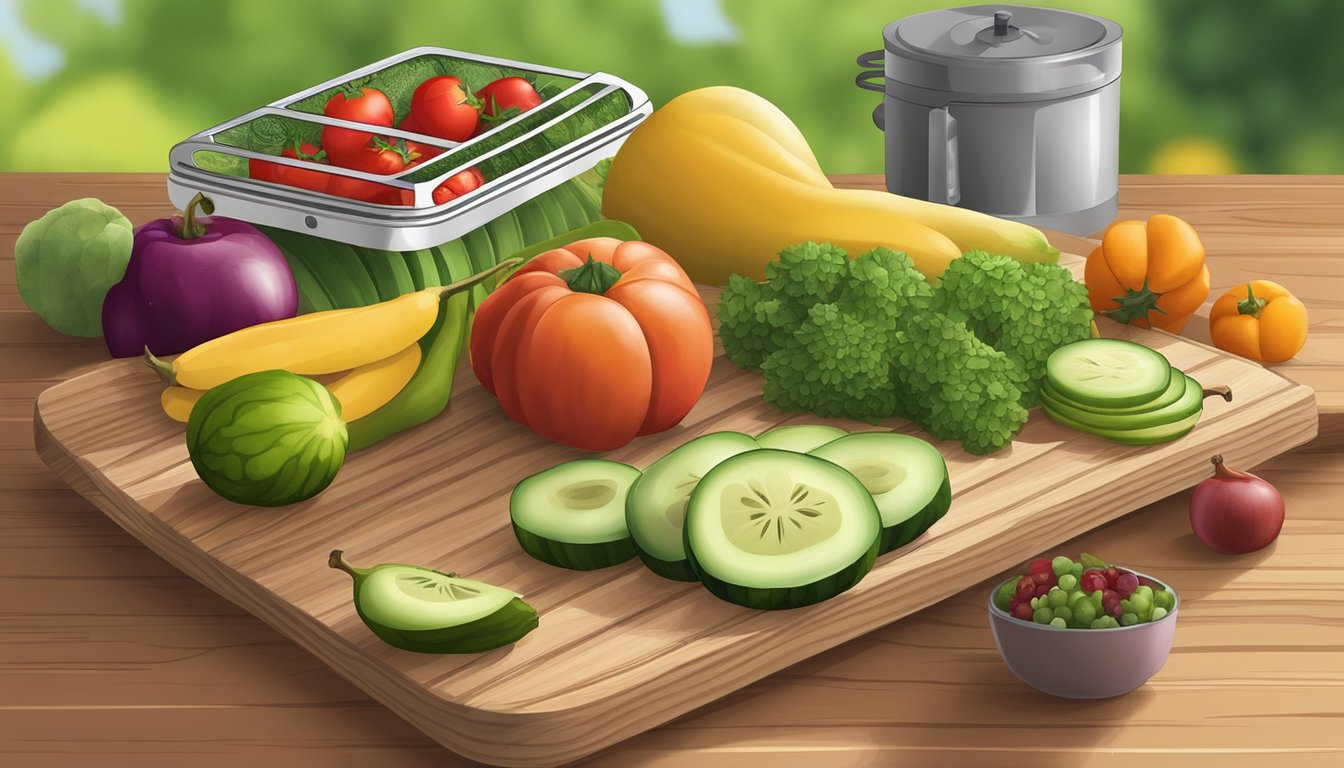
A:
1175, 389
799, 438
1108, 372
1190, 403
906, 476
573, 514
773, 529
656, 507
1145, 436
419, 609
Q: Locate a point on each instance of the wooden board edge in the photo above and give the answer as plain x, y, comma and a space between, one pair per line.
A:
492, 735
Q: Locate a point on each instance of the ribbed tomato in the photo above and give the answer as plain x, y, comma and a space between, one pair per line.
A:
595, 343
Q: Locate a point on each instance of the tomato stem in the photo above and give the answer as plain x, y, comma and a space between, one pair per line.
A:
1135, 305
1251, 305
190, 228
593, 277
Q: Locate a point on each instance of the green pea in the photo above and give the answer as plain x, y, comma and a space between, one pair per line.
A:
1042, 615
1061, 565
1058, 623
1084, 613
1058, 597
1068, 582
1140, 604
1076, 570
1100, 622
1096, 600
1146, 591
1063, 612
1159, 612
1164, 599
1129, 619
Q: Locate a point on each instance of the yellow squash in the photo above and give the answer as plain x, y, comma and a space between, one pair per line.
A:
360, 392
317, 343
722, 180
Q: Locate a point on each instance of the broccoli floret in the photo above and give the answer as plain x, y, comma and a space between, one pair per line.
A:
831, 368
1024, 311
750, 326
806, 274
956, 386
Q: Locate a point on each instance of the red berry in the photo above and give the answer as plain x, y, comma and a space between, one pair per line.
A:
1112, 573
1045, 579
1092, 581
1026, 588
1023, 611
1126, 584
1149, 583
1042, 591
1116, 610
1040, 565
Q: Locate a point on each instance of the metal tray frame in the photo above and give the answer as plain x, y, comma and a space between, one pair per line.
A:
391, 227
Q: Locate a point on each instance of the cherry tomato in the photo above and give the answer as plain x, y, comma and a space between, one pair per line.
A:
360, 105
505, 98
458, 185
444, 108
382, 158
293, 177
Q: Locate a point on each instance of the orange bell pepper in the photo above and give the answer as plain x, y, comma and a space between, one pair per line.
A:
1261, 320
1150, 274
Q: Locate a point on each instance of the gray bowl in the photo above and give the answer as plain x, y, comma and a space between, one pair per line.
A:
1084, 663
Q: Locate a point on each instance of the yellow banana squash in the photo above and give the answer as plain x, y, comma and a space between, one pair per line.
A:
360, 392
317, 343
722, 180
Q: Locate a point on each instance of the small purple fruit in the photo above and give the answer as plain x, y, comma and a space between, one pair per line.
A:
193, 279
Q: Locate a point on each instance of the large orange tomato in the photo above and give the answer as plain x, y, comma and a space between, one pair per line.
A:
595, 343
1150, 274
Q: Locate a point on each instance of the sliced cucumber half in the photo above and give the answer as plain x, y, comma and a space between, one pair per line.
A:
799, 438
420, 609
1190, 403
906, 477
573, 514
1145, 436
655, 509
1108, 372
771, 529
1174, 391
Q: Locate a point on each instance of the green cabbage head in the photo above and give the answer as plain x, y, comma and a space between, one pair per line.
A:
67, 260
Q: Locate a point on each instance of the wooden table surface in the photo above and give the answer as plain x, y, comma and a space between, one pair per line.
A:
108, 654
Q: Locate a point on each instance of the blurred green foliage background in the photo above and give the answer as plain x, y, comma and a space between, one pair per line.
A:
1234, 86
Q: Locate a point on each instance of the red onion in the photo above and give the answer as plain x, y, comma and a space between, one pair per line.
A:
1235, 512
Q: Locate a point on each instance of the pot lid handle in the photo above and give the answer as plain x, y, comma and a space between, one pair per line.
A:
1001, 19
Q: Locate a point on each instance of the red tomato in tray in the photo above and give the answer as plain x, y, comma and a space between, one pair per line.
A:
382, 158
293, 177
458, 185
443, 108
362, 105
505, 98
595, 343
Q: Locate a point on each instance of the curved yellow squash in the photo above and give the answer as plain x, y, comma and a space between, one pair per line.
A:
722, 180
360, 392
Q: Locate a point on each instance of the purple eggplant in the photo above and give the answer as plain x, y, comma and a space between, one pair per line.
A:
191, 279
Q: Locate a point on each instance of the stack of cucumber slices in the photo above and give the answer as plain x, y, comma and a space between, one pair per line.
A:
1121, 391
789, 518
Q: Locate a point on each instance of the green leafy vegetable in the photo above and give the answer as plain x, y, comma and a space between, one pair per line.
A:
869, 338
67, 261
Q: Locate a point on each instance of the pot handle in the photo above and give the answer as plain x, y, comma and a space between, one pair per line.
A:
944, 168
871, 61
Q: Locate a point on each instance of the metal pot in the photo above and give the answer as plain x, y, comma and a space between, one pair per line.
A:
1009, 110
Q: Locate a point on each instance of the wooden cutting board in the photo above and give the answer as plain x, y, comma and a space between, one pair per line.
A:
618, 651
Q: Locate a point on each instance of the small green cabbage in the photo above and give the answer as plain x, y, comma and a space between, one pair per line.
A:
67, 260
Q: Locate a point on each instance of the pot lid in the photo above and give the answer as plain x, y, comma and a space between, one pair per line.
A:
1003, 50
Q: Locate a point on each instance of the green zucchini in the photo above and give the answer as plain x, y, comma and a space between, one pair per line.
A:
573, 514
771, 529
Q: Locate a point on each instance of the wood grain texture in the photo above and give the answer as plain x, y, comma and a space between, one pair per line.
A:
110, 652
619, 650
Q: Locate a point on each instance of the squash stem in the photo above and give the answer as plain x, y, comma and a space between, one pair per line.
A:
444, 291
1221, 390
164, 369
